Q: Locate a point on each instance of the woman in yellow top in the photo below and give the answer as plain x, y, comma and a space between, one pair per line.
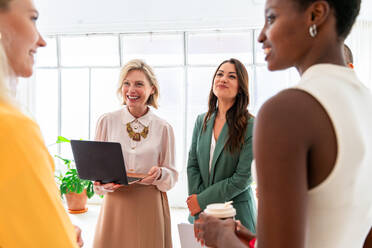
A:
31, 211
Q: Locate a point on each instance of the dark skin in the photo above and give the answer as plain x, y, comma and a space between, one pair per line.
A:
368, 242
293, 133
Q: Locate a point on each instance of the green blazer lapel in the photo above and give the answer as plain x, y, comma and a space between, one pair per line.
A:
205, 148
218, 150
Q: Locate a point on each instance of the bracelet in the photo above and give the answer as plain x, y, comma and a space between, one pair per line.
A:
252, 243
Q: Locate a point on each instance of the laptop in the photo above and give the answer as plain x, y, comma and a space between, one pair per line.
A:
101, 161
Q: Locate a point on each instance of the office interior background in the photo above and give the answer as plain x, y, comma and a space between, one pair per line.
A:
76, 75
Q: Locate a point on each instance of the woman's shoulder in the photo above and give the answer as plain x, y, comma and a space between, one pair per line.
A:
250, 124
111, 116
14, 123
250, 120
159, 121
10, 115
200, 118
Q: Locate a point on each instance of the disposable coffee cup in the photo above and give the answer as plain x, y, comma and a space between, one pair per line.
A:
221, 210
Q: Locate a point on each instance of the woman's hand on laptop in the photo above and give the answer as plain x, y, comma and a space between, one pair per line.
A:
154, 174
102, 189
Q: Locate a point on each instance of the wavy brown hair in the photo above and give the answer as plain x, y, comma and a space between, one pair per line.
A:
238, 115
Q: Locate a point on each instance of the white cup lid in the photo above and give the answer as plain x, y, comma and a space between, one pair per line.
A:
220, 210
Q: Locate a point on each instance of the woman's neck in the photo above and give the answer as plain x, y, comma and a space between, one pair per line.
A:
223, 107
326, 52
138, 112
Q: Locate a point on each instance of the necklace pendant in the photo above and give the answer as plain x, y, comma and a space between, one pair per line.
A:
137, 137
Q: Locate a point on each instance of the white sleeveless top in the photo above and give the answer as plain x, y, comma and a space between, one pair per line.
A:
340, 208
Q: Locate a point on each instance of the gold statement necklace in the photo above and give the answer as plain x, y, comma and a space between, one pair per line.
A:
137, 136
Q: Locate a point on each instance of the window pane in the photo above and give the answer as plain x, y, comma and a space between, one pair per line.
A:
213, 48
171, 105
260, 56
46, 103
75, 105
103, 94
250, 88
269, 83
47, 56
154, 49
198, 88
90, 50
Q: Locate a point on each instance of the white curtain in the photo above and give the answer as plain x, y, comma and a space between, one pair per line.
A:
360, 43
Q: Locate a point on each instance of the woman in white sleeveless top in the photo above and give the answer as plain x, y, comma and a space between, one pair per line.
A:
312, 143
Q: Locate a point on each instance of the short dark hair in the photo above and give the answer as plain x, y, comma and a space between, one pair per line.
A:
346, 12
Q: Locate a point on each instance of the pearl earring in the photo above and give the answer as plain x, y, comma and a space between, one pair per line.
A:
313, 31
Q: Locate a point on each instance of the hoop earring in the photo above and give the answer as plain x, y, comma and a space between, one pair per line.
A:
313, 30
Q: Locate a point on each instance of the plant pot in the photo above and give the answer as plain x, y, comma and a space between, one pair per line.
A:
76, 203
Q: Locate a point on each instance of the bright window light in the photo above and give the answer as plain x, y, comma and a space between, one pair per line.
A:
154, 49
90, 50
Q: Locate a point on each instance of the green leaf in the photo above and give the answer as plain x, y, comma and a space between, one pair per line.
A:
90, 191
63, 189
65, 161
79, 189
62, 139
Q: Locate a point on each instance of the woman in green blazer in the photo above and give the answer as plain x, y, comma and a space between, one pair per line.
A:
219, 163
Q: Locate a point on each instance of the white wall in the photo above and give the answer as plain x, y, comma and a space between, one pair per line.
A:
366, 10
86, 16
96, 16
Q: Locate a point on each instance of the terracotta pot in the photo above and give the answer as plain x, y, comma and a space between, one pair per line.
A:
76, 203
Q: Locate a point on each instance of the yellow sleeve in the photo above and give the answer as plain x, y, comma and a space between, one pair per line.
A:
31, 211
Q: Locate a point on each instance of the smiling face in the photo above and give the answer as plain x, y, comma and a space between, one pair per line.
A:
136, 90
285, 36
20, 36
225, 83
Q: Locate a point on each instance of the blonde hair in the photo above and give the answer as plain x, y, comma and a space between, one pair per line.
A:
4, 74
4, 67
137, 64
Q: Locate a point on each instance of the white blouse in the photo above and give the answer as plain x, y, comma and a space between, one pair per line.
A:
157, 149
213, 147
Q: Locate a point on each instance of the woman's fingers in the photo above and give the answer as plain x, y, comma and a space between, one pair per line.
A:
149, 179
108, 186
116, 186
102, 189
154, 171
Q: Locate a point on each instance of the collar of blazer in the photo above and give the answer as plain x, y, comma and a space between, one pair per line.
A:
205, 147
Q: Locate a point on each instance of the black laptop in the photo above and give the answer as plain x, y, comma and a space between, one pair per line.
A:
101, 161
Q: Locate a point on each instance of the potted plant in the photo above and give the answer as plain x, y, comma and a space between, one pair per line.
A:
76, 190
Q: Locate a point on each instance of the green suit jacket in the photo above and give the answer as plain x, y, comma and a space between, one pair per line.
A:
230, 177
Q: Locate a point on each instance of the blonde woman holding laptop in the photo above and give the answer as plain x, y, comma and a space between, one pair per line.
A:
137, 215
